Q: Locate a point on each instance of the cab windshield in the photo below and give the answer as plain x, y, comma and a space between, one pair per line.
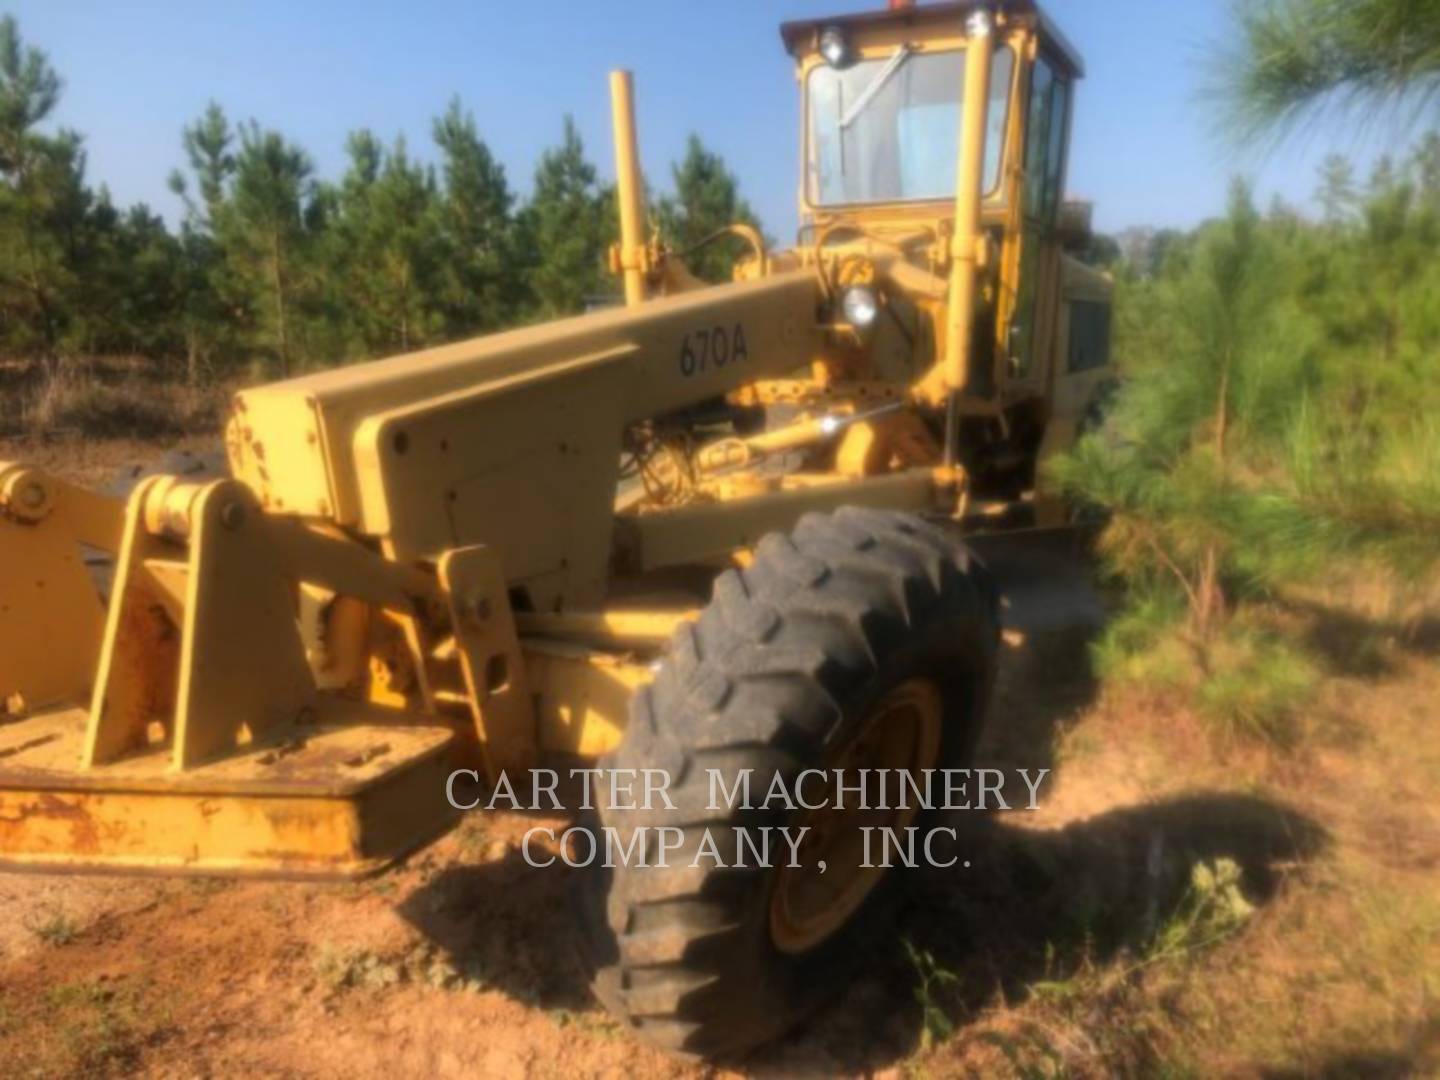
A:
885, 129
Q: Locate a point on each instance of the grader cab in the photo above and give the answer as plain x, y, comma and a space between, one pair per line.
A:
711, 529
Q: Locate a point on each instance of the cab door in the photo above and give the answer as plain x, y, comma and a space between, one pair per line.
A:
1032, 331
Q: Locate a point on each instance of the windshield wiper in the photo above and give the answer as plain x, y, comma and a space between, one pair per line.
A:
877, 84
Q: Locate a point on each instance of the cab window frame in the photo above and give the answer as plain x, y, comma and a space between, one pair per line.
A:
1043, 190
995, 195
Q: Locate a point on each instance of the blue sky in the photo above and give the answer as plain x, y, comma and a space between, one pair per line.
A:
135, 72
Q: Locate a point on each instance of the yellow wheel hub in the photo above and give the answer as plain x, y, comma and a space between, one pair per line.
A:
812, 900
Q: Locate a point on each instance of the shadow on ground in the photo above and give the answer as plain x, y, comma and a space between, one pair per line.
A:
1364, 647
1030, 907
1033, 907
1051, 613
1373, 1065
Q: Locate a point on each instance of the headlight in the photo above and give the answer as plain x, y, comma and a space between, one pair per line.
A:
833, 47
860, 306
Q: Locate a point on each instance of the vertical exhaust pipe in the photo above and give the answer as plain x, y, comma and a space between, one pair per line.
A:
631, 257
966, 238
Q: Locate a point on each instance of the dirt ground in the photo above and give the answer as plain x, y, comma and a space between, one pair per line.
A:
1077, 942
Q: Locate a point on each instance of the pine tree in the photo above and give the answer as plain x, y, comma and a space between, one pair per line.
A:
1336, 194
266, 230
208, 144
386, 249
42, 202
137, 285
567, 225
1169, 483
1275, 424
481, 283
213, 297
706, 200
250, 275
1292, 58
1425, 162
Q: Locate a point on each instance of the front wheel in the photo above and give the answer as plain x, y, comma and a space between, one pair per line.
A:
864, 640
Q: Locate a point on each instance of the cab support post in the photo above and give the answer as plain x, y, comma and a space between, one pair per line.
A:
966, 238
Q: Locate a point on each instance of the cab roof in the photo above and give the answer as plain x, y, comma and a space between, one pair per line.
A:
801, 35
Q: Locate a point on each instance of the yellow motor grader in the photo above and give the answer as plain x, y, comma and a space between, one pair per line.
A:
712, 530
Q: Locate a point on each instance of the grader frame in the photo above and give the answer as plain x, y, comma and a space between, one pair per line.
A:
441, 560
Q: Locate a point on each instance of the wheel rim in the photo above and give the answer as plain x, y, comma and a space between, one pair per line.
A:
901, 731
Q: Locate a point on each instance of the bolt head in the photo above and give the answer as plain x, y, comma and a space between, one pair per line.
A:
232, 515
475, 608
28, 498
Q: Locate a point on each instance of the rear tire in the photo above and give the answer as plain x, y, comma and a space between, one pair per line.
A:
779, 674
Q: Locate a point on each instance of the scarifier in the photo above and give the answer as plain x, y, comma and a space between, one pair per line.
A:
499, 551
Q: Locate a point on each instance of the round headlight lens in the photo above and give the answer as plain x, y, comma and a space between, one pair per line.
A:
834, 49
860, 306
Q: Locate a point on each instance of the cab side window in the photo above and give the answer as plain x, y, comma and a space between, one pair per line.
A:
1044, 180
1045, 143
1089, 335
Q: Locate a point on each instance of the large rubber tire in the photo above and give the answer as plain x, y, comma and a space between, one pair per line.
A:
775, 675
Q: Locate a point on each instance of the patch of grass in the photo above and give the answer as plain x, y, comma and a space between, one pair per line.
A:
99, 1029
472, 838
1108, 1014
1065, 988
1213, 908
930, 980
56, 928
1250, 681
1340, 976
463, 973
346, 968
1341, 984
79, 402
591, 1022
342, 968
1076, 744
1028, 1053
382, 885
1141, 645
1257, 686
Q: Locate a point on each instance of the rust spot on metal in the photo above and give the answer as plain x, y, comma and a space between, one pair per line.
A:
20, 748
369, 754
285, 749
84, 835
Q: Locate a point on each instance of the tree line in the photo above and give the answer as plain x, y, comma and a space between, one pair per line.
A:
1273, 442
274, 269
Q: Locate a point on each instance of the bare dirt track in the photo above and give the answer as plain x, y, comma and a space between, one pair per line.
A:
463, 961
